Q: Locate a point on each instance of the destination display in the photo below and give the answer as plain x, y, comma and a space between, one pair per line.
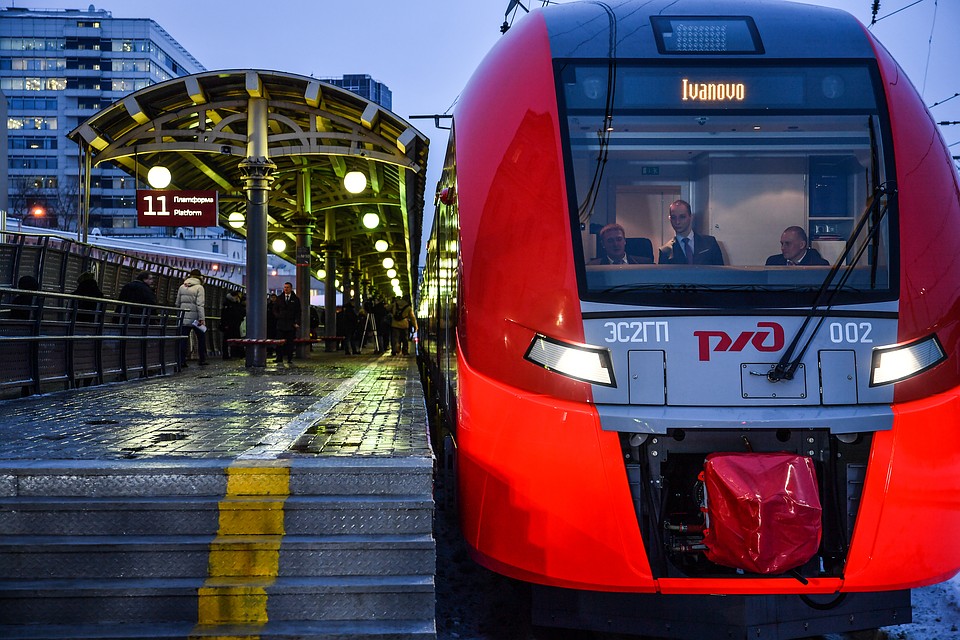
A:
728, 86
171, 208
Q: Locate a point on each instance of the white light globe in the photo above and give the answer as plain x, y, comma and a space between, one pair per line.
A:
381, 245
321, 274
159, 177
355, 182
395, 282
279, 245
391, 273
371, 220
236, 220
388, 263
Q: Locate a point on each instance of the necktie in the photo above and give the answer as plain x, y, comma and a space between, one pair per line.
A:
791, 263
686, 250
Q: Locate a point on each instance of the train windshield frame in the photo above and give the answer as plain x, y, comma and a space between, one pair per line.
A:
781, 165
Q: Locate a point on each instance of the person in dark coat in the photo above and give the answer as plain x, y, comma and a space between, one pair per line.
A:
137, 292
287, 311
231, 317
383, 325
271, 322
348, 328
22, 302
88, 288
688, 247
795, 251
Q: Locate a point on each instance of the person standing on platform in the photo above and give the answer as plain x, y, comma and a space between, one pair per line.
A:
348, 327
138, 291
191, 300
231, 316
383, 326
287, 311
271, 322
88, 288
403, 321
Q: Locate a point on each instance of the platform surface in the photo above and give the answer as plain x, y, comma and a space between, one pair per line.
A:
328, 404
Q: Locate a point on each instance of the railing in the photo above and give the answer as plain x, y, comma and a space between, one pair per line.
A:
56, 263
52, 340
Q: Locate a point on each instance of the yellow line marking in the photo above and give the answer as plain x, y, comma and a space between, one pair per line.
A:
245, 556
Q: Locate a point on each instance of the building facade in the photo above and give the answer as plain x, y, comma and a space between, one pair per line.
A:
365, 87
58, 68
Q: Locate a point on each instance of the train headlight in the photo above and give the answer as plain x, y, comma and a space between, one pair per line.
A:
577, 361
899, 362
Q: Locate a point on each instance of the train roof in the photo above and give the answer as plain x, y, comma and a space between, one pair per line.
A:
786, 30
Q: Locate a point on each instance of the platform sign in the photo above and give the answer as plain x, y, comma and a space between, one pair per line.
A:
170, 208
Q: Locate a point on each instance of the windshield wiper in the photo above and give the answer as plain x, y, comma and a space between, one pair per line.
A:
874, 212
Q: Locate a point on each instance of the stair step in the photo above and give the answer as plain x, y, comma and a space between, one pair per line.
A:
310, 630
344, 598
307, 515
105, 557
321, 476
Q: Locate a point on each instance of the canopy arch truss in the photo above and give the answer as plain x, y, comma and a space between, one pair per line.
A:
285, 141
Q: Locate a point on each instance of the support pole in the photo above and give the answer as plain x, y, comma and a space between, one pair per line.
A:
304, 252
330, 251
346, 265
257, 170
304, 245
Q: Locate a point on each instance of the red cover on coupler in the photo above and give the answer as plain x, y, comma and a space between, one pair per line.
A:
763, 511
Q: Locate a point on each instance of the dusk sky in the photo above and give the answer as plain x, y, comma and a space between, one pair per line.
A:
426, 50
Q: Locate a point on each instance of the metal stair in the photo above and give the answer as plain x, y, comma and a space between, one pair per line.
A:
307, 547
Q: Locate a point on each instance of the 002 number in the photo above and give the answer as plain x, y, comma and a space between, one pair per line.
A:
851, 332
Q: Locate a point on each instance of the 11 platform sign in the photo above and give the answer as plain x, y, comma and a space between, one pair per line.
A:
171, 208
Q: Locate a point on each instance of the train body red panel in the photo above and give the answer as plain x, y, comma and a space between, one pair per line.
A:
600, 360
929, 279
513, 150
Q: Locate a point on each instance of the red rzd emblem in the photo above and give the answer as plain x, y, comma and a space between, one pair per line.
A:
724, 342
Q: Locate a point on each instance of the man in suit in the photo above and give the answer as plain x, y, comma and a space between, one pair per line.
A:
794, 250
688, 247
287, 311
614, 242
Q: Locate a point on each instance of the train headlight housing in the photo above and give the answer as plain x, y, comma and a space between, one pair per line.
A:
902, 361
577, 361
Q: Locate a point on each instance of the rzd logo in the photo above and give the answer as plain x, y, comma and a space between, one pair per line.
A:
725, 343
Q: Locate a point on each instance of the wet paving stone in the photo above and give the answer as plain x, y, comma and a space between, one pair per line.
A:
225, 411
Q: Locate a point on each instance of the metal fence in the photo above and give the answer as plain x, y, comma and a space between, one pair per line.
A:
52, 339
57, 340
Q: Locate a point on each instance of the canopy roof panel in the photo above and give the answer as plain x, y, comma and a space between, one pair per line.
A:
196, 126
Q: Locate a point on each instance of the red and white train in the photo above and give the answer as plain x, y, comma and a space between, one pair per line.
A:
728, 423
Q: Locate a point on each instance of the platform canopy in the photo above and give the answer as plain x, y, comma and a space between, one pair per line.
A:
197, 127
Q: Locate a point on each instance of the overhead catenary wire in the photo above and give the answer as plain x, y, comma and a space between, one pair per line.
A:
936, 104
876, 8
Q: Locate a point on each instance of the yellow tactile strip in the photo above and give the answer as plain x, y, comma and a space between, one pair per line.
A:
245, 555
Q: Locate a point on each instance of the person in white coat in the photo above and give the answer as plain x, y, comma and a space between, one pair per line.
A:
190, 299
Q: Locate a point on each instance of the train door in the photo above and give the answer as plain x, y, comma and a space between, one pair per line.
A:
643, 210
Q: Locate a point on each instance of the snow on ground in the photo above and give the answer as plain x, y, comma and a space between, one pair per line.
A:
936, 614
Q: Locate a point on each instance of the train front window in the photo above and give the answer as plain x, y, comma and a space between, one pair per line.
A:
775, 177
